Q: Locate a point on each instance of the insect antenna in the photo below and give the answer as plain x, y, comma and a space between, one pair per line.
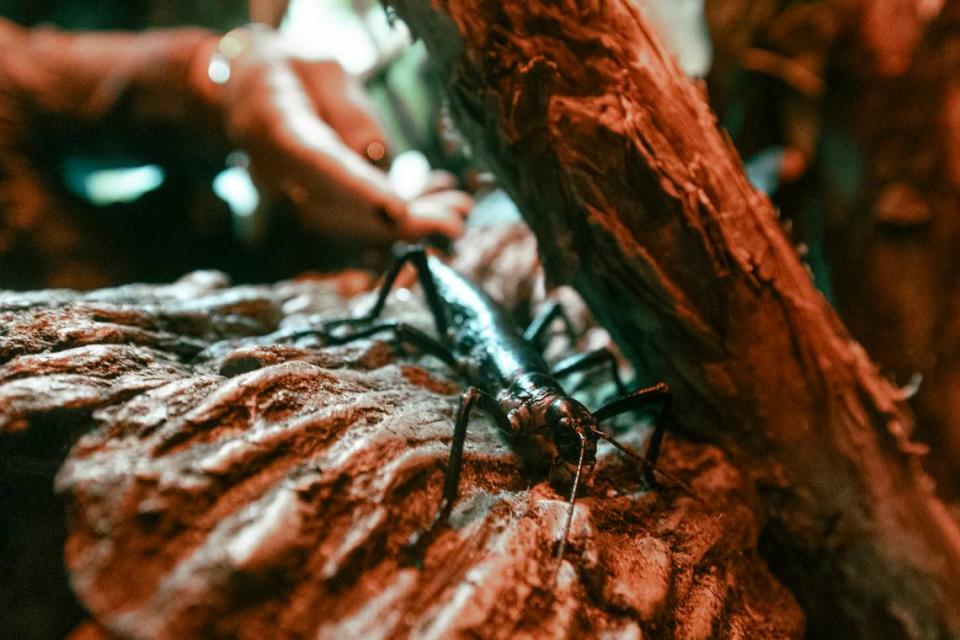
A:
646, 465
573, 499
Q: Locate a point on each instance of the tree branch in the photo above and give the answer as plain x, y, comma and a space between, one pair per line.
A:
641, 203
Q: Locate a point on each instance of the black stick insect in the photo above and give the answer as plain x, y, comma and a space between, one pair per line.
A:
507, 377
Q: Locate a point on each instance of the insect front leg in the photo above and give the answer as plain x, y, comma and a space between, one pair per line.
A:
418, 257
641, 398
595, 358
415, 547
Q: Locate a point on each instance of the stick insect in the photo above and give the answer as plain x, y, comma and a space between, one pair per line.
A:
507, 378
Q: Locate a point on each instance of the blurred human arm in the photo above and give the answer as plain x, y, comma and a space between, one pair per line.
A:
311, 136
303, 124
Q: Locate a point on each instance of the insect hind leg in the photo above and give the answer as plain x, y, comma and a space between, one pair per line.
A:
404, 333
418, 256
415, 547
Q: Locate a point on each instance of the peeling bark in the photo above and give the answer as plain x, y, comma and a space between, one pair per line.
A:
640, 203
883, 190
236, 482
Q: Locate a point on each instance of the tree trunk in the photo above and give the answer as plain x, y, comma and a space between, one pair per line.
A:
641, 203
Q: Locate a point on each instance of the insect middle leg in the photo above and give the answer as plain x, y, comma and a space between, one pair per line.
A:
588, 360
537, 328
415, 547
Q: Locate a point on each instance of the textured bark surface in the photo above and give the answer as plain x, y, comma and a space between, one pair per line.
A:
233, 482
884, 186
641, 203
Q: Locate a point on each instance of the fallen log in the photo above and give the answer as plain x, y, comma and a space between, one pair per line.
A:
640, 203
237, 481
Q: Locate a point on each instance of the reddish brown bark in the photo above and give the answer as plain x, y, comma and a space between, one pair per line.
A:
641, 203
880, 134
236, 481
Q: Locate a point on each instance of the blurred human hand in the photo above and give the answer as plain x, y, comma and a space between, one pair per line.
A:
312, 138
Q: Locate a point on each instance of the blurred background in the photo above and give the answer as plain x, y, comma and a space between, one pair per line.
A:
196, 204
